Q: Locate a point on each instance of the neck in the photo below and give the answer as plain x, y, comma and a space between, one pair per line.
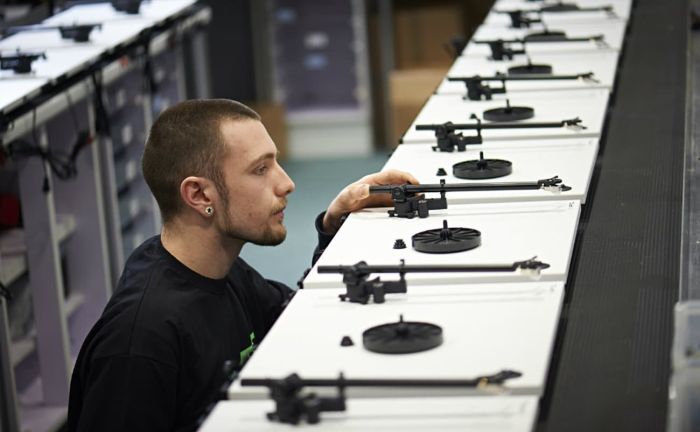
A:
201, 249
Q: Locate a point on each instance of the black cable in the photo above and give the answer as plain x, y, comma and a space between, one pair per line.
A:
71, 109
5, 292
63, 165
102, 124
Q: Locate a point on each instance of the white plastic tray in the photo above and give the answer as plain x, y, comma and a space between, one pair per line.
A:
553, 106
510, 232
571, 159
486, 328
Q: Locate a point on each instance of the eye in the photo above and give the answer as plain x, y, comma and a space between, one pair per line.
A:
261, 170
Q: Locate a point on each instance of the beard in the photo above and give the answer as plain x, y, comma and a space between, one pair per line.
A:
270, 236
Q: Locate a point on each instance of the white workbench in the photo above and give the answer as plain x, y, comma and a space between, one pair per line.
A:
571, 159
63, 57
603, 64
475, 414
510, 232
154, 11
486, 328
58, 63
553, 106
14, 91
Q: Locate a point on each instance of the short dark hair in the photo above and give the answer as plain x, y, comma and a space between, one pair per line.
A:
186, 140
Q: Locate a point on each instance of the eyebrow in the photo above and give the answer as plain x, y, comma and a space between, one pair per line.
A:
263, 157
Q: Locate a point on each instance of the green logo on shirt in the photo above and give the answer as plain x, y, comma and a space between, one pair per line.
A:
246, 353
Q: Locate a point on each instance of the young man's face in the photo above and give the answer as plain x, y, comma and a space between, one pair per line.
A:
257, 185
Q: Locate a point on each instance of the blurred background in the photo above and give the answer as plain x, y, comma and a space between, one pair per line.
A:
337, 82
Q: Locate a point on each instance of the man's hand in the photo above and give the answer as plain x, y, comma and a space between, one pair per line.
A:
356, 196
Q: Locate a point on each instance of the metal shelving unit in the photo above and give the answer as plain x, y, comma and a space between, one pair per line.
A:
75, 236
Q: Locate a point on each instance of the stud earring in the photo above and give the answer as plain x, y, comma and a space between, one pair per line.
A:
209, 210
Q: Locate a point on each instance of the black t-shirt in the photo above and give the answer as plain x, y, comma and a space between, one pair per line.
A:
154, 360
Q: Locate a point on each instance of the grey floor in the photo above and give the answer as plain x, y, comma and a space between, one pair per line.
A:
317, 183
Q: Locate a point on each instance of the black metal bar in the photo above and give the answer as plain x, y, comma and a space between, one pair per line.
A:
525, 41
533, 77
472, 126
370, 269
42, 27
497, 378
607, 8
456, 187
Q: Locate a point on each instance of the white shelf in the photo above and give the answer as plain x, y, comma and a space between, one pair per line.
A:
73, 302
35, 415
13, 262
21, 349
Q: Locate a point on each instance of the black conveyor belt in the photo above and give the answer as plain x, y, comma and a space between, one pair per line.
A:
611, 364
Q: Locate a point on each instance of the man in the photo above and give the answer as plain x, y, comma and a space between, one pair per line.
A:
186, 302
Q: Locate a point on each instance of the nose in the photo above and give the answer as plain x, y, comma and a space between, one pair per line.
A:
286, 185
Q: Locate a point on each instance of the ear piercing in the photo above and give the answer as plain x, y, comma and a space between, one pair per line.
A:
209, 210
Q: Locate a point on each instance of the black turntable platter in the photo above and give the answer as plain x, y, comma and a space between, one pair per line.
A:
560, 7
446, 239
509, 113
482, 168
530, 69
402, 337
545, 36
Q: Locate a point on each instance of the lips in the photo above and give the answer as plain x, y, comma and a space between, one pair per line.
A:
280, 210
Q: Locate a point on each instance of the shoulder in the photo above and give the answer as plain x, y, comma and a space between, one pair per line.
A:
142, 318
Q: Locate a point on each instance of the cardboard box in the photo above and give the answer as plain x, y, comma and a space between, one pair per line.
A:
275, 120
421, 34
409, 90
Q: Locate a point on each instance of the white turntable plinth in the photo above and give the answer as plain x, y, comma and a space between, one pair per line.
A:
510, 232
572, 160
553, 106
475, 414
602, 64
486, 328
613, 32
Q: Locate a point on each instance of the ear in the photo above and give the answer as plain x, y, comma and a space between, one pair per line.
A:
198, 193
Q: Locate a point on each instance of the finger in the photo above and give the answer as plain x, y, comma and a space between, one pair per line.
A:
358, 192
391, 176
